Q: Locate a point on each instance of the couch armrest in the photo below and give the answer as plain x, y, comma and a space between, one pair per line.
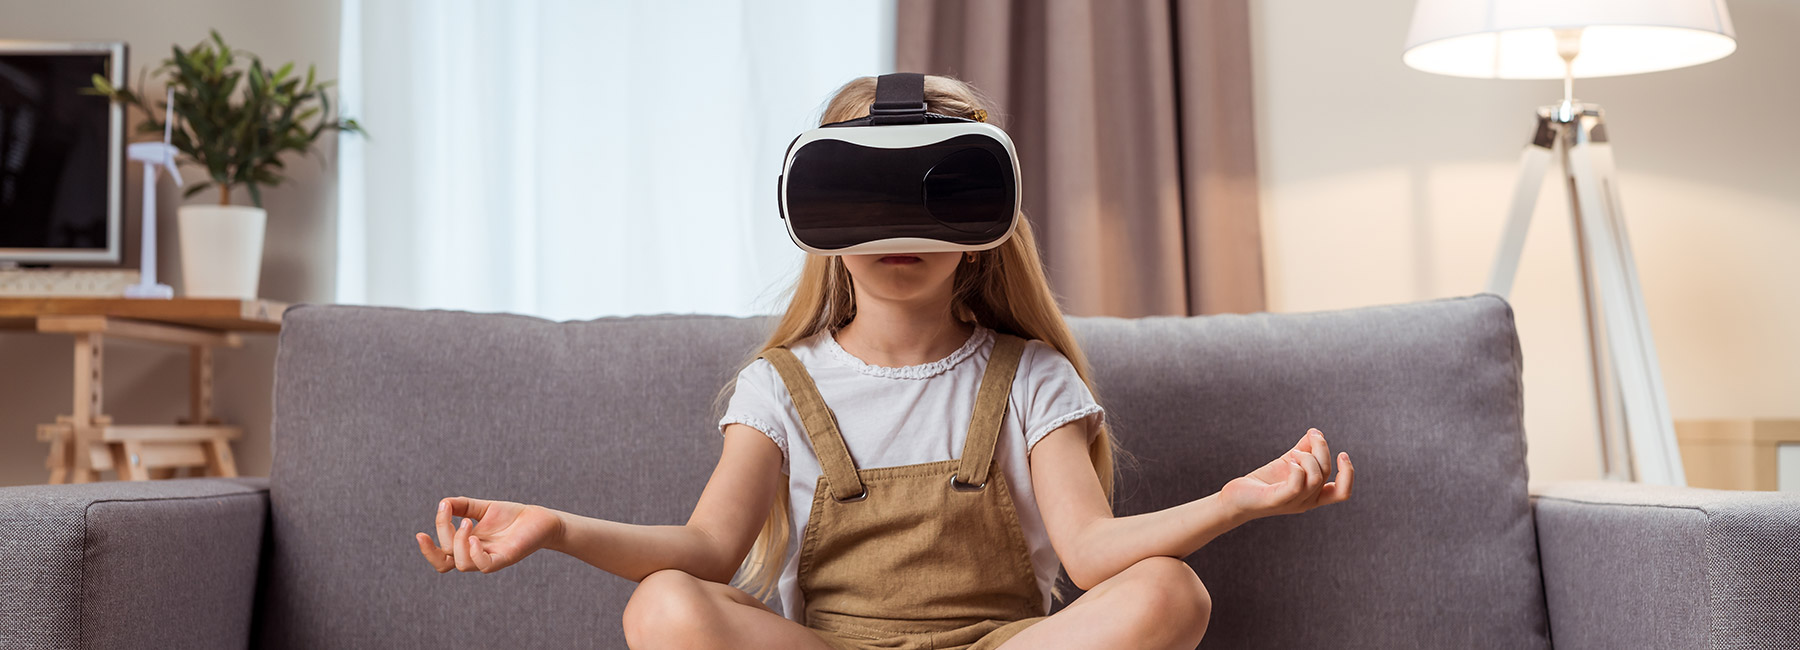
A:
1629, 565
130, 563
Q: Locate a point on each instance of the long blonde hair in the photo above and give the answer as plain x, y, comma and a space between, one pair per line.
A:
1003, 289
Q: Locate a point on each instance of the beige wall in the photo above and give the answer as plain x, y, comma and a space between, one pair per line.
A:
1383, 184
145, 383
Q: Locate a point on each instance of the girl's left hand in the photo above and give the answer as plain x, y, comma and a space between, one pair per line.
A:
1293, 483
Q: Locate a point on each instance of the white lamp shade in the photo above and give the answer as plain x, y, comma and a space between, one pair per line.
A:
1516, 39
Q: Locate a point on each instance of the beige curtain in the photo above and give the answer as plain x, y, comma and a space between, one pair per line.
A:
1133, 123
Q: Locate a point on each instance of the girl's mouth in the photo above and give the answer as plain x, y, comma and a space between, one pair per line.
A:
899, 259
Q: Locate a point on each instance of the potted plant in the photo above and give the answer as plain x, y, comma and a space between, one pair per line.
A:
237, 123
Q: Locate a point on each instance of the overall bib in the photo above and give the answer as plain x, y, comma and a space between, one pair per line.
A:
921, 556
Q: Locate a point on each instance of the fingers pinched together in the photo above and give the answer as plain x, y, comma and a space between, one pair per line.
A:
457, 547
1307, 484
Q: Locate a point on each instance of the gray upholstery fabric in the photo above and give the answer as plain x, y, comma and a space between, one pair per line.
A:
1436, 547
130, 564
1635, 566
380, 412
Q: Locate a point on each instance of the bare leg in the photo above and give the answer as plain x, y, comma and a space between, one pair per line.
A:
672, 609
1156, 603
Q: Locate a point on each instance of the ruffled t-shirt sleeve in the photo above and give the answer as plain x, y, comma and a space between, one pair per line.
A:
757, 404
1054, 394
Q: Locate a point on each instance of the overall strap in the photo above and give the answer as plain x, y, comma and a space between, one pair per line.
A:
821, 426
990, 411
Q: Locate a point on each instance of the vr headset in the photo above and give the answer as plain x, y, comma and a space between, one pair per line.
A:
900, 180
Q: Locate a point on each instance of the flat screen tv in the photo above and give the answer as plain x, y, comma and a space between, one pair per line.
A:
61, 153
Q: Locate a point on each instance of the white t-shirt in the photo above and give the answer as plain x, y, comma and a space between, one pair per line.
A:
907, 415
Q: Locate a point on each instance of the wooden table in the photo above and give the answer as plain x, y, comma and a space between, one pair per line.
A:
87, 441
1738, 453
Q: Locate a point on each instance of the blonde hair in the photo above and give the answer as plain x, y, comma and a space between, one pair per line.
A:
1003, 289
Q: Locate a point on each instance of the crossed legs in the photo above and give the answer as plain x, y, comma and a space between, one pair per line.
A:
1156, 603
672, 609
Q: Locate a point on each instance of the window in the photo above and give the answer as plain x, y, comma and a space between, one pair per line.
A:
581, 159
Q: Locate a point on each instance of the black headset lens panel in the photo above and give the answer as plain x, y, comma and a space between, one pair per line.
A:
842, 194
964, 191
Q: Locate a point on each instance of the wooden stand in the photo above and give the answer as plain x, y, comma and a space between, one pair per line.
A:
86, 442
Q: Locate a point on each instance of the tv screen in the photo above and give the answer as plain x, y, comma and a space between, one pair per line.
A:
60, 153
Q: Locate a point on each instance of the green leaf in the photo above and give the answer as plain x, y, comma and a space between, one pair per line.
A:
184, 64
195, 189
238, 118
224, 50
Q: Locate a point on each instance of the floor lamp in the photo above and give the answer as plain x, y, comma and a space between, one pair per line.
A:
1565, 39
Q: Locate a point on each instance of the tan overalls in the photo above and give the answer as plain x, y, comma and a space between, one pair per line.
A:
915, 556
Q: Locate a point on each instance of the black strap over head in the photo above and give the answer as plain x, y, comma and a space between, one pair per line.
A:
899, 99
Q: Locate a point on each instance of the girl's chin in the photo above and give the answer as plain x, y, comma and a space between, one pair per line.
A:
904, 291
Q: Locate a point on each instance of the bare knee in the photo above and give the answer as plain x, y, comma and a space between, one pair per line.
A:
1173, 597
669, 608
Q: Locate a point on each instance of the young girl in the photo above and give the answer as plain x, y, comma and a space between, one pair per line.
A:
908, 461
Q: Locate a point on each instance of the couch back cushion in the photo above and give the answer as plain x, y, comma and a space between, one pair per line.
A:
380, 412
1435, 549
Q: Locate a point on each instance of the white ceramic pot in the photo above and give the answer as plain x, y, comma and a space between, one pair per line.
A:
221, 250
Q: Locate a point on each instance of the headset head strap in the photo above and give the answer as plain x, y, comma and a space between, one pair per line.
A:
899, 99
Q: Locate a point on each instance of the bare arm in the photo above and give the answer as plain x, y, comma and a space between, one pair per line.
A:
716, 537
1094, 545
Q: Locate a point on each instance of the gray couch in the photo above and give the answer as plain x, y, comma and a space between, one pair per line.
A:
380, 412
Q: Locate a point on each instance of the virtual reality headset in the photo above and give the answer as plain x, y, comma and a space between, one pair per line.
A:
900, 180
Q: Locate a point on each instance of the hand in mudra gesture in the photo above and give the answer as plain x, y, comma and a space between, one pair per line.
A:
1293, 483
493, 535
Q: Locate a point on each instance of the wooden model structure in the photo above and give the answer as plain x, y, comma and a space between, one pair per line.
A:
87, 441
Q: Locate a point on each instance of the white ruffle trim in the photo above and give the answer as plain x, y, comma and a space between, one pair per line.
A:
921, 371
758, 424
1032, 440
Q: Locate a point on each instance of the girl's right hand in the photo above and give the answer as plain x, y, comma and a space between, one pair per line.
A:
493, 534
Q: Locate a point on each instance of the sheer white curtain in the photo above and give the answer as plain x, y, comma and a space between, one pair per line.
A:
575, 159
